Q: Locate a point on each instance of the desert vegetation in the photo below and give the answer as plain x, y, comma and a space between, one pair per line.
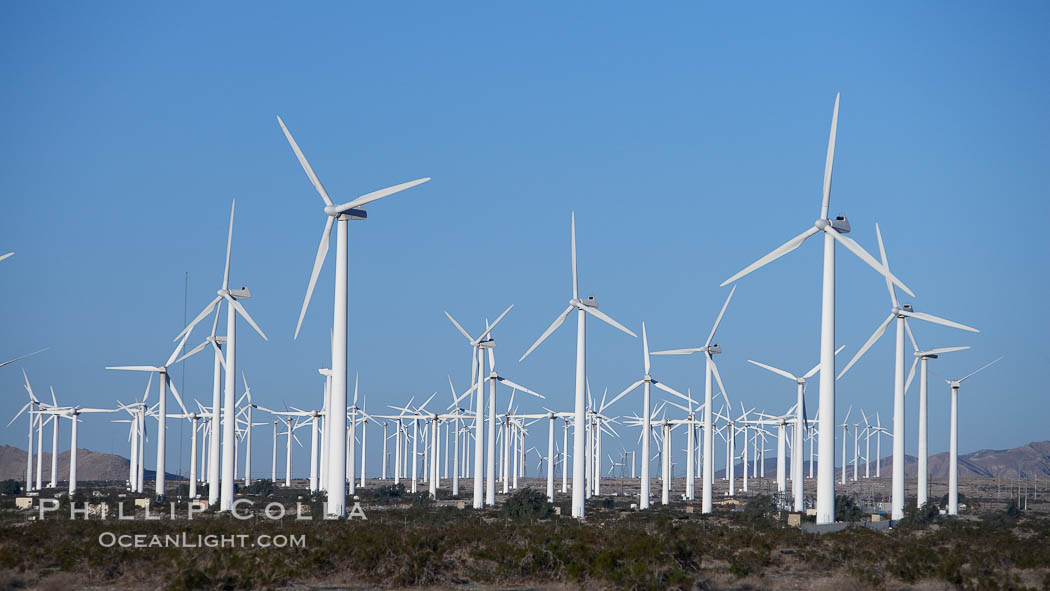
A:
410, 541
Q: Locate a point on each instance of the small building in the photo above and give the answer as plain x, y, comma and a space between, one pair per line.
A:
795, 519
24, 502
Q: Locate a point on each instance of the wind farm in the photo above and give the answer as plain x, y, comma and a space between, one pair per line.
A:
349, 444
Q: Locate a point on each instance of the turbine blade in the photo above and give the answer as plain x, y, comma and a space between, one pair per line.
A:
229, 244
134, 368
778, 252
856, 249
937, 320
322, 251
971, 374
886, 263
554, 326
871, 341
911, 337
575, 276
911, 375
376, 195
243, 312
645, 349
718, 320
945, 350
493, 325
671, 390
306, 165
688, 351
816, 367
461, 329
607, 319
625, 392
775, 370
830, 161
519, 387
23, 356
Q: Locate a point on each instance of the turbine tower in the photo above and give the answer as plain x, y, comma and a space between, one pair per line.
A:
953, 440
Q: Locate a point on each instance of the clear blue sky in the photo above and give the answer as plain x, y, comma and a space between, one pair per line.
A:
689, 140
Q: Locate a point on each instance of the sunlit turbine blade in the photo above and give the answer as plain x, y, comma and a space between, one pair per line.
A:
778, 252
375, 195
971, 374
829, 162
871, 341
718, 320
175, 393
911, 375
461, 329
856, 249
24, 356
306, 165
816, 367
575, 276
134, 368
945, 350
322, 251
718, 378
607, 319
911, 337
625, 392
519, 387
645, 349
243, 312
178, 349
886, 263
937, 320
688, 351
229, 244
671, 390
219, 355
493, 325
554, 326
775, 370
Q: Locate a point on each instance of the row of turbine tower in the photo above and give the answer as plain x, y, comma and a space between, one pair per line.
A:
482, 438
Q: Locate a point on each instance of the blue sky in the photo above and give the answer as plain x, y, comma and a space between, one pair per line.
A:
688, 139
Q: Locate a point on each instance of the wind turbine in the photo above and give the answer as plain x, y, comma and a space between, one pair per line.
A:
834, 231
164, 382
709, 350
582, 307
921, 357
844, 425
900, 313
953, 441
477, 370
229, 415
801, 419
339, 215
646, 381
74, 415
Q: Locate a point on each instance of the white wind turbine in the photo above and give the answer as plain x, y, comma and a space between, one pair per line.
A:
74, 415
801, 418
647, 381
164, 382
339, 215
834, 230
228, 415
921, 357
33, 406
477, 370
582, 307
953, 441
709, 350
900, 313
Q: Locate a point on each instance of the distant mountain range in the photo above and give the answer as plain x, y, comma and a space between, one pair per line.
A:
91, 465
1031, 459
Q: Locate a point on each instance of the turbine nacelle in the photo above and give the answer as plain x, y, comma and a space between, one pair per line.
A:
839, 223
238, 294
354, 213
589, 301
